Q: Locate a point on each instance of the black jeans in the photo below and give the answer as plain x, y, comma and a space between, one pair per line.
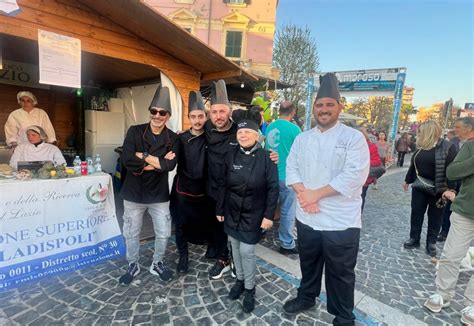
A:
363, 195
419, 202
219, 239
446, 224
401, 158
337, 252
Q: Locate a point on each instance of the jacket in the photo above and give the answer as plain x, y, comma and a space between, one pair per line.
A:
374, 161
462, 169
402, 145
249, 193
147, 187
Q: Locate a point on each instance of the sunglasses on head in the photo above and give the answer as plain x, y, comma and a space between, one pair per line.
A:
160, 112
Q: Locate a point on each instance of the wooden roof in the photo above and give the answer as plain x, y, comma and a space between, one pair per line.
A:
140, 19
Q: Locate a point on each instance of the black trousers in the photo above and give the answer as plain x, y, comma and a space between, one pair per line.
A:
363, 195
219, 239
337, 252
446, 223
420, 201
401, 158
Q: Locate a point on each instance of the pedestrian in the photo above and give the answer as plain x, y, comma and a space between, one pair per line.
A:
148, 154
402, 146
327, 167
459, 237
280, 136
383, 147
375, 162
190, 207
24, 117
427, 175
220, 133
247, 201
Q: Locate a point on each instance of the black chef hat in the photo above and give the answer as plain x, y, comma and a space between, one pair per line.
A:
247, 119
328, 87
161, 100
195, 101
219, 93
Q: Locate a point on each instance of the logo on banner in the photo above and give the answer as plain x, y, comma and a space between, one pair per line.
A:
97, 194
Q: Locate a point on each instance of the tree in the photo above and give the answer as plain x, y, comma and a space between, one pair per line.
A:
296, 56
378, 111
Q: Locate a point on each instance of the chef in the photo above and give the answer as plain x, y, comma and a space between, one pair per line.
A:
27, 115
327, 167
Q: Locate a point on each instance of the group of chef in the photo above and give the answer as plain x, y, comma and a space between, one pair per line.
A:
29, 132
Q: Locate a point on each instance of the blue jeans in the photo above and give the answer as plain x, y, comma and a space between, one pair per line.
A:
287, 216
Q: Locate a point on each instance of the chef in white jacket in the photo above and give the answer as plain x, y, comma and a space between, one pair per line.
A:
327, 167
36, 149
27, 115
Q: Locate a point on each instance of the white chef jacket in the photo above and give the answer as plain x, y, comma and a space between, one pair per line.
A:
42, 152
19, 120
338, 157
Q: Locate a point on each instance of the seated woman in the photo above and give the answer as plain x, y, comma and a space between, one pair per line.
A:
247, 202
36, 149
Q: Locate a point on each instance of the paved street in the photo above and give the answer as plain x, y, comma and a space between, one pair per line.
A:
391, 283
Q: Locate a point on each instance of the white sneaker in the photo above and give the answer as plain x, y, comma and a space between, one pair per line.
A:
436, 302
467, 316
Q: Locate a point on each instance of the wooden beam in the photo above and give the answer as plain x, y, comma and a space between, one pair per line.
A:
221, 75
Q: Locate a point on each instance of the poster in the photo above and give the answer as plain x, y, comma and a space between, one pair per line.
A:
48, 227
59, 59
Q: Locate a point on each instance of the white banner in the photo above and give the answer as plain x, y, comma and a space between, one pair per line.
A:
59, 59
51, 226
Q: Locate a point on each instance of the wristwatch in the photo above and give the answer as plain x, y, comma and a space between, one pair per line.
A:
145, 155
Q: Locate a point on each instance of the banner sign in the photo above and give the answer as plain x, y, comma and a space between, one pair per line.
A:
397, 101
52, 226
310, 90
469, 106
59, 59
369, 82
20, 74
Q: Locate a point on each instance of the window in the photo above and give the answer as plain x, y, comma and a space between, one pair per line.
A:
233, 44
238, 2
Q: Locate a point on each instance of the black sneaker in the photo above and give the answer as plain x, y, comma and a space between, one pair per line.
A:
219, 268
441, 237
248, 304
159, 269
182, 267
132, 271
292, 251
295, 306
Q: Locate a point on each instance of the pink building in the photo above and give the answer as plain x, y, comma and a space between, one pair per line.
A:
242, 30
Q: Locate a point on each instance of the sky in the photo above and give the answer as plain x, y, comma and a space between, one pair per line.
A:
433, 39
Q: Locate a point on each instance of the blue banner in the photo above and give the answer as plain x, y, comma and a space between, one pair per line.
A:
307, 117
397, 101
18, 274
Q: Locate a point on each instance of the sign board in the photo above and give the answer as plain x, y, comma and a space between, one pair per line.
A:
52, 226
20, 74
368, 82
397, 104
59, 59
469, 106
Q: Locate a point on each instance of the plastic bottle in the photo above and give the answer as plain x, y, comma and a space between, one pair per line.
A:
97, 163
77, 165
90, 165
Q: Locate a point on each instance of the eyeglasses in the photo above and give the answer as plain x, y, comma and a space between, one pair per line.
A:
162, 113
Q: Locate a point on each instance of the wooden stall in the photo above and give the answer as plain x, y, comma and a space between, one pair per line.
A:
123, 43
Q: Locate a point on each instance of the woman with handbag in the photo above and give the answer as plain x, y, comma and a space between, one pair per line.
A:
376, 167
427, 176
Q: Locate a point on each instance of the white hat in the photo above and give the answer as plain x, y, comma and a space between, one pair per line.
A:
27, 94
40, 131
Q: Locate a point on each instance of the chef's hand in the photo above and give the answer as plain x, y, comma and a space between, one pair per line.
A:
13, 144
274, 156
450, 195
405, 186
220, 218
312, 209
307, 197
170, 155
266, 224
139, 155
148, 168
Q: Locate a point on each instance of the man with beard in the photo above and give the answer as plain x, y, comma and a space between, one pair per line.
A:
148, 154
190, 207
327, 167
221, 138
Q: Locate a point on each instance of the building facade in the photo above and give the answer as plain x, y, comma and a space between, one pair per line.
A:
241, 30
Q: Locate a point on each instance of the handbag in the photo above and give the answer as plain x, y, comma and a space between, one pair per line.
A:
423, 184
376, 171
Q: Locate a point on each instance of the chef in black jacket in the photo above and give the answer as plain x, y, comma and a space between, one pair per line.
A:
247, 201
148, 154
191, 209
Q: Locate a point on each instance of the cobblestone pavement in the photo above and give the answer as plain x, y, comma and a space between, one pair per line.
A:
387, 272
92, 296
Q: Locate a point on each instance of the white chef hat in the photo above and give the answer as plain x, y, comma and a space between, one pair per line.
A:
27, 94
